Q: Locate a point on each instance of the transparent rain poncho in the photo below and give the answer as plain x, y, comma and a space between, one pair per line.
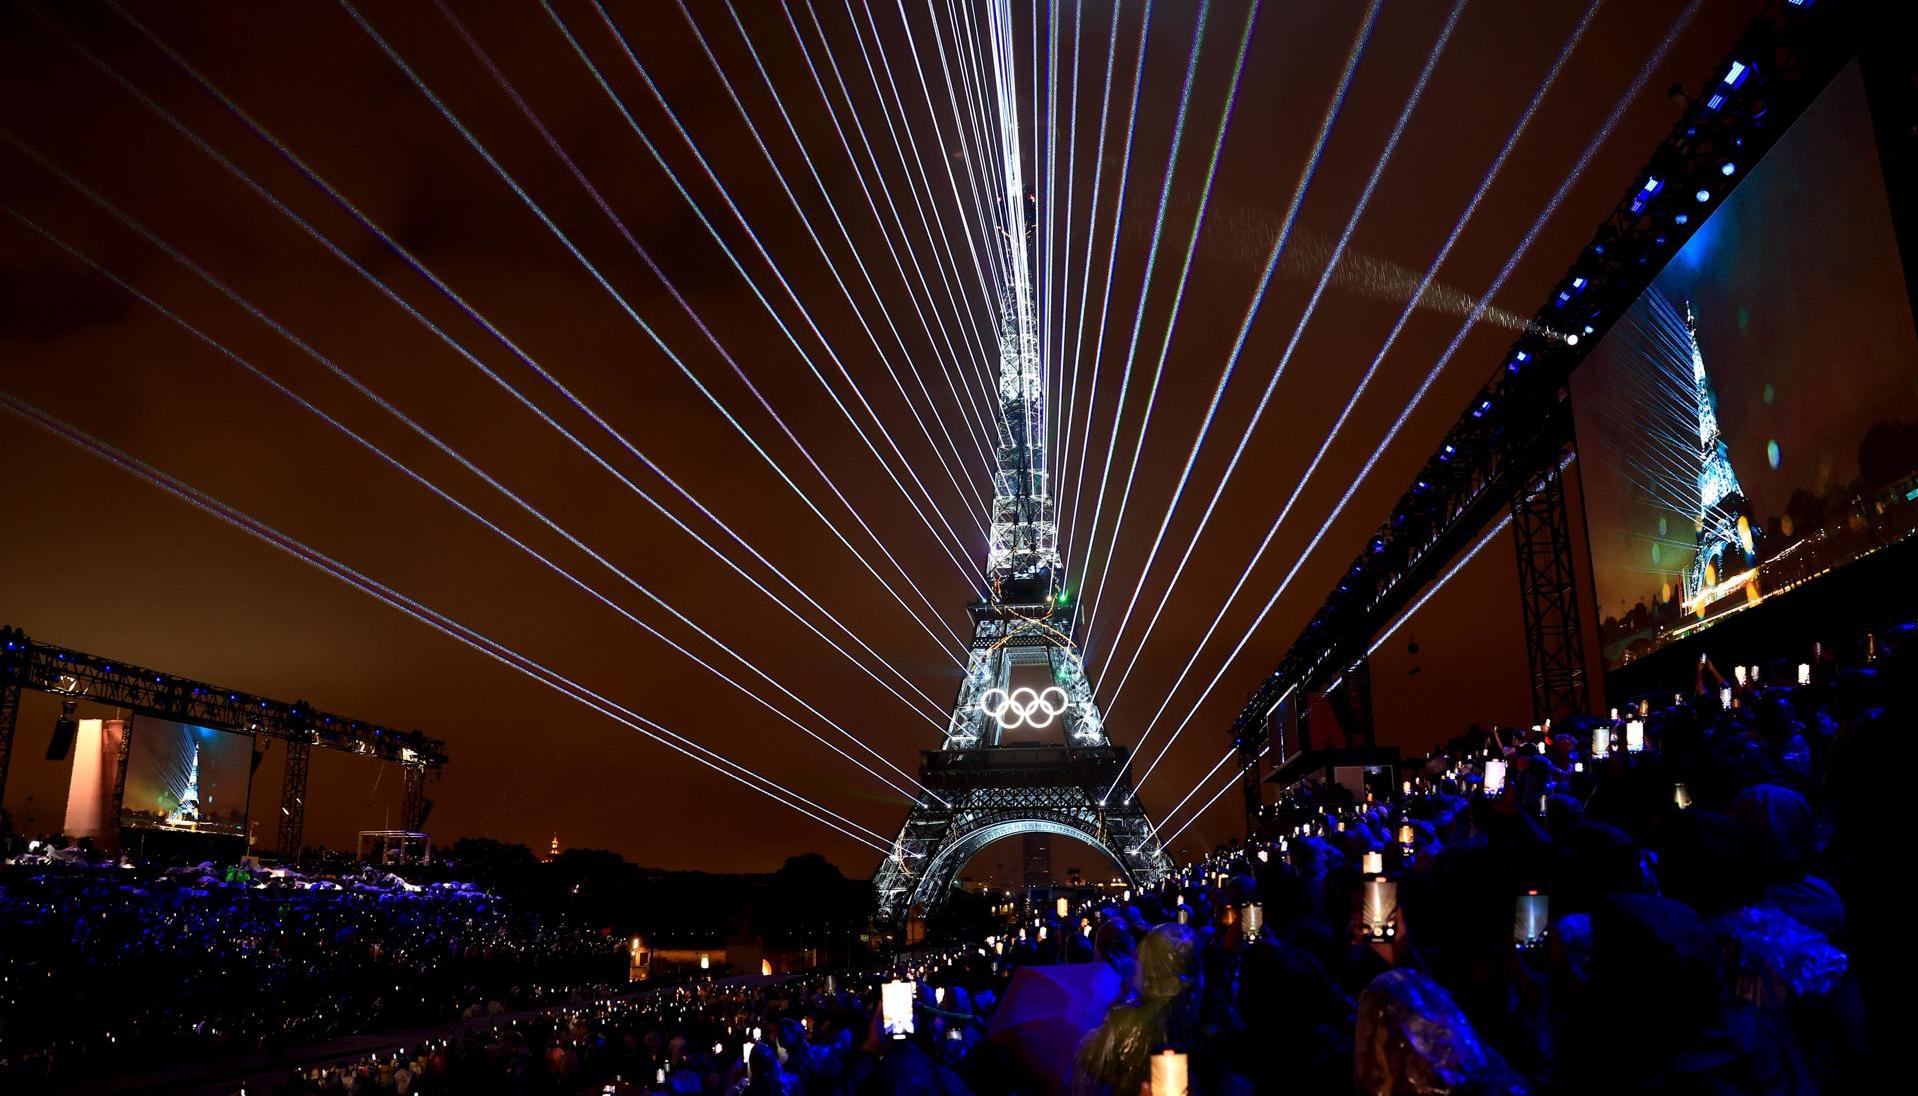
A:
1158, 1010
1413, 1041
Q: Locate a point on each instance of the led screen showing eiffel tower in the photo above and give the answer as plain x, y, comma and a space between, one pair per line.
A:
1750, 424
180, 777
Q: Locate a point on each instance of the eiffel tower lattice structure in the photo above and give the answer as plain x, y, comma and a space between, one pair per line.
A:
1724, 548
1025, 750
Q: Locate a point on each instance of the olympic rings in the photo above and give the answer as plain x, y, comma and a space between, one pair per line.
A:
1024, 706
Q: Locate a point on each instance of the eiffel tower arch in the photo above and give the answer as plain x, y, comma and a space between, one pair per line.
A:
1025, 752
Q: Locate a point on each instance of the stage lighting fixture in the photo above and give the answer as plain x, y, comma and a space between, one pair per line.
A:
1703, 195
65, 729
1727, 168
1646, 193
1682, 218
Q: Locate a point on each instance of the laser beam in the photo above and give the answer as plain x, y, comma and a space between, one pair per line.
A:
626, 307
440, 622
1332, 262
739, 217
625, 233
1112, 254
964, 390
1538, 224
936, 241
453, 344
1138, 319
1085, 284
453, 454
1172, 316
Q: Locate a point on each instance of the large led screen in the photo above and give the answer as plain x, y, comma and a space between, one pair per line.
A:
1751, 422
186, 779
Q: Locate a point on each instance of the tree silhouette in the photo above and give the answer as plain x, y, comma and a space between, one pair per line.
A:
1888, 453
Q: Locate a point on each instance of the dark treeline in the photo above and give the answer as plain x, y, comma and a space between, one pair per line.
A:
806, 903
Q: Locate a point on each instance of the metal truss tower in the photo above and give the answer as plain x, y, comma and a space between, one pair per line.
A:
1002, 770
1548, 598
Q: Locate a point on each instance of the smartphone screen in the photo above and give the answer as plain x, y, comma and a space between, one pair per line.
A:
1169, 1076
1528, 927
895, 1008
1381, 899
1494, 776
1252, 919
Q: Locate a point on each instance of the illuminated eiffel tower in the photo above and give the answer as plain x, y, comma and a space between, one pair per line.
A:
1025, 750
188, 811
1723, 517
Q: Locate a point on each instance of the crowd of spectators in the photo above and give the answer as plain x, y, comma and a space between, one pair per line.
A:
105, 965
1667, 900
1672, 899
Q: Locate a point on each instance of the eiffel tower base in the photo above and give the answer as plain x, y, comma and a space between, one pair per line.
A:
993, 793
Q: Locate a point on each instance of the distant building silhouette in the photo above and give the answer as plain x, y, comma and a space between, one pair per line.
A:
1038, 859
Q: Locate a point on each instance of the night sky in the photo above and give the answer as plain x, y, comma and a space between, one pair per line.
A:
96, 559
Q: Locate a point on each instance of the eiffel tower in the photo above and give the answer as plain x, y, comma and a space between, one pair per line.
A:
1025, 750
1723, 547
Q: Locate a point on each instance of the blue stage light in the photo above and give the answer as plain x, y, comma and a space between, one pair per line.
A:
1646, 193
1727, 168
1682, 218
1703, 195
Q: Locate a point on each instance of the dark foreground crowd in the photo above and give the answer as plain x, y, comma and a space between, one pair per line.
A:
1678, 899
1691, 896
108, 967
